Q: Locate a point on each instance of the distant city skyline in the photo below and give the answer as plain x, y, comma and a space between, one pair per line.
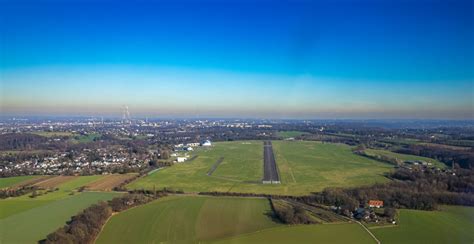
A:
305, 60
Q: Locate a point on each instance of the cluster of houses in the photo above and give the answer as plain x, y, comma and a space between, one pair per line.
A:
369, 214
61, 163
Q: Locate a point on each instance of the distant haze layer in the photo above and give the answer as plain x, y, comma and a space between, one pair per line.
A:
364, 59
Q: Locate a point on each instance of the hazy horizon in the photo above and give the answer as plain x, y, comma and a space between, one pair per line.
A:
306, 60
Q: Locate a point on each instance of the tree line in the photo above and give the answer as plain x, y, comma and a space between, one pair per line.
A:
289, 213
16, 192
463, 158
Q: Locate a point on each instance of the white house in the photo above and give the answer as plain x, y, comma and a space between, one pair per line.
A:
207, 143
181, 159
189, 149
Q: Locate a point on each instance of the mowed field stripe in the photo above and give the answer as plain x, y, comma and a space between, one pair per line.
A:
108, 182
284, 163
55, 181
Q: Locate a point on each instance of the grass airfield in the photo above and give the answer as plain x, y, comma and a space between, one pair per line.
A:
304, 167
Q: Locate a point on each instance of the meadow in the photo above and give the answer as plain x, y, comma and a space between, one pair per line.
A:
452, 224
53, 133
14, 181
405, 157
12, 206
304, 167
248, 220
35, 223
27, 220
319, 233
188, 219
84, 138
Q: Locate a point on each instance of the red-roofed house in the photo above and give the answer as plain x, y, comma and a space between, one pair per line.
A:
375, 204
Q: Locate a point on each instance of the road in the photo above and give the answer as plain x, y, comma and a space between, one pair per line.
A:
270, 170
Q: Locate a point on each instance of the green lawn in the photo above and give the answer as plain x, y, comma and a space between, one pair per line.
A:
304, 167
32, 225
452, 224
188, 219
405, 157
248, 165
289, 134
312, 166
321, 233
15, 205
12, 181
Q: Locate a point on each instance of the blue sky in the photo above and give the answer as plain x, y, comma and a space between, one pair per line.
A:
326, 59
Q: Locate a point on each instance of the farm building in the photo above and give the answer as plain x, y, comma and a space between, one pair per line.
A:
181, 159
375, 203
189, 149
206, 143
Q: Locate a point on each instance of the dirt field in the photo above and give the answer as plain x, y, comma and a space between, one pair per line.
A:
54, 181
107, 183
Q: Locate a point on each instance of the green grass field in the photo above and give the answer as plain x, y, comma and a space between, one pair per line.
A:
27, 220
289, 134
15, 205
188, 219
321, 233
453, 224
33, 224
53, 133
12, 181
405, 157
84, 138
312, 166
305, 167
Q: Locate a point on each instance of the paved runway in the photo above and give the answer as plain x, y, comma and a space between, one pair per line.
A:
270, 170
